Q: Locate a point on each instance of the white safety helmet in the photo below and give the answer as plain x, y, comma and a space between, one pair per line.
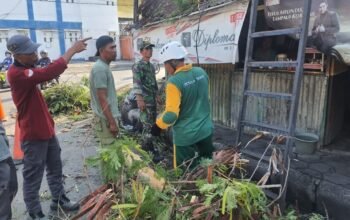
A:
172, 51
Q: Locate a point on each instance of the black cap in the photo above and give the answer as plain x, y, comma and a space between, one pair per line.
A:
102, 42
20, 44
146, 44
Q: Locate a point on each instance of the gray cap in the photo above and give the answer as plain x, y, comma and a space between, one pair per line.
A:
20, 44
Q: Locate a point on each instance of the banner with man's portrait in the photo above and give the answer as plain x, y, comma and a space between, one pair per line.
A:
329, 26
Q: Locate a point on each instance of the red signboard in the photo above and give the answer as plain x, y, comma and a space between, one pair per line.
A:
170, 30
236, 17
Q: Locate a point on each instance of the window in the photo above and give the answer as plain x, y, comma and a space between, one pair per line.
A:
48, 36
186, 39
110, 3
4, 35
46, 39
23, 32
72, 36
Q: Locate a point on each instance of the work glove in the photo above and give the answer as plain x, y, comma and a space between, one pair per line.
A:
155, 130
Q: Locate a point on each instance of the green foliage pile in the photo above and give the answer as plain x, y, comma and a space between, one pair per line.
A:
234, 195
224, 197
68, 98
187, 193
119, 158
145, 202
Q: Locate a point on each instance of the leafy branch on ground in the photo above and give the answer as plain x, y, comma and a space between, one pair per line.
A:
68, 98
212, 190
116, 157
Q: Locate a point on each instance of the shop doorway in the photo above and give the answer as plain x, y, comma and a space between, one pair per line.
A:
337, 134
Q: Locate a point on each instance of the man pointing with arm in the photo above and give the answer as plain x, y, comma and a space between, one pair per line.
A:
38, 139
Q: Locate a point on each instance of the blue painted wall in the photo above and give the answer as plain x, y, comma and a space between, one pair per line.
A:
34, 25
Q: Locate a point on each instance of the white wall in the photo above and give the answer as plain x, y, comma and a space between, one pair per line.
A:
44, 10
98, 20
71, 11
52, 42
13, 9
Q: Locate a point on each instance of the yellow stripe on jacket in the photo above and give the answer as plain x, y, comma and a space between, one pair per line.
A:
172, 107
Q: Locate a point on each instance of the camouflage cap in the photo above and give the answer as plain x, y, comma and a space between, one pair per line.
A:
146, 44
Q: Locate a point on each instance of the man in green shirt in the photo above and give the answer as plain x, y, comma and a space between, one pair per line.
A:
187, 107
104, 101
145, 89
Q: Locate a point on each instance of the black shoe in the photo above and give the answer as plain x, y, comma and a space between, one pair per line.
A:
157, 158
65, 204
147, 147
38, 216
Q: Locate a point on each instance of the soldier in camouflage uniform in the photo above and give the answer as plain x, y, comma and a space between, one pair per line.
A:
145, 89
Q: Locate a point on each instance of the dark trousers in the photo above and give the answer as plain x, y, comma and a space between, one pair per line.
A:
203, 148
8, 187
37, 156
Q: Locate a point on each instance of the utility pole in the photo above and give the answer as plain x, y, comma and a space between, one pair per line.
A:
136, 13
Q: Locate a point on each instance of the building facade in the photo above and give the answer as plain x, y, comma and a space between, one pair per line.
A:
56, 24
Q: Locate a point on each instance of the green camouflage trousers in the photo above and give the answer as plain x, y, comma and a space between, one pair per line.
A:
148, 118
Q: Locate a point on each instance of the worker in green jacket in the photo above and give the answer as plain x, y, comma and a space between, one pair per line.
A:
187, 107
